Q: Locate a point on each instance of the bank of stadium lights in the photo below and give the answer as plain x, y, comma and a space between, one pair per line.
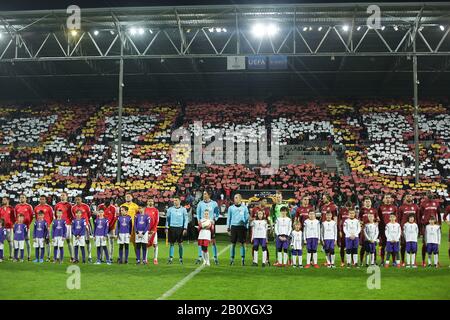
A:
217, 29
260, 30
136, 31
441, 27
73, 32
345, 28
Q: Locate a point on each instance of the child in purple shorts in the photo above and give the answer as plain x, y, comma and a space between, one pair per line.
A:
433, 240
352, 228
393, 233
329, 238
311, 233
283, 229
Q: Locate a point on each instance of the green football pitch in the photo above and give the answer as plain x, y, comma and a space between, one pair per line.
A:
49, 281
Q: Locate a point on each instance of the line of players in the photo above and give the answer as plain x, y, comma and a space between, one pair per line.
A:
396, 230
238, 222
77, 225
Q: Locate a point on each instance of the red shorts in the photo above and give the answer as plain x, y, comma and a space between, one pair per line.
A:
203, 243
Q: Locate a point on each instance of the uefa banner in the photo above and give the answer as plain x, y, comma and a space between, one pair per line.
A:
278, 62
236, 63
257, 62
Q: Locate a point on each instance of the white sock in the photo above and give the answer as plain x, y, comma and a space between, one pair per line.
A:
294, 260
436, 259
70, 247
332, 259
111, 246
372, 258
315, 257
27, 243
207, 257
285, 258
255, 256
264, 256
349, 258
355, 258
429, 259
408, 259
300, 260
328, 258
413, 258
155, 252
89, 250
308, 258
368, 257
279, 256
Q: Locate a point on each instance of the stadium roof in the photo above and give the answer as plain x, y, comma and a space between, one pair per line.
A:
181, 51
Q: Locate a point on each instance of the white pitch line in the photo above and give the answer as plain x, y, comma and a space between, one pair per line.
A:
183, 281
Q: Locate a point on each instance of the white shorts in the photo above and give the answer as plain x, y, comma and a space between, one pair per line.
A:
69, 231
123, 238
112, 233
141, 239
1, 245
9, 235
78, 242
19, 244
38, 243
58, 242
100, 241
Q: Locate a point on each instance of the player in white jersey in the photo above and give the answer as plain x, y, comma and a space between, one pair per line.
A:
283, 229
393, 233
433, 240
371, 233
329, 238
296, 245
411, 234
352, 229
259, 234
311, 235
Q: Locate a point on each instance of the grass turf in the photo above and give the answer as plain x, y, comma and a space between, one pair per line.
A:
48, 281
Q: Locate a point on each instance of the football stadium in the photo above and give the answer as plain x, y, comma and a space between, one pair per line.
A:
225, 152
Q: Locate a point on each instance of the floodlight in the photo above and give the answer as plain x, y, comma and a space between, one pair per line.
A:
95, 32
258, 30
442, 27
345, 28
73, 32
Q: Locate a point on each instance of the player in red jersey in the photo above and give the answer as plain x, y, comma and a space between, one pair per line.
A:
384, 212
110, 213
407, 208
328, 206
428, 208
364, 218
7, 214
342, 216
302, 212
48, 217
26, 210
153, 213
66, 209
86, 215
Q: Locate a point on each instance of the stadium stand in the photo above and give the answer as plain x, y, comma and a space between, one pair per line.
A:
45, 149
